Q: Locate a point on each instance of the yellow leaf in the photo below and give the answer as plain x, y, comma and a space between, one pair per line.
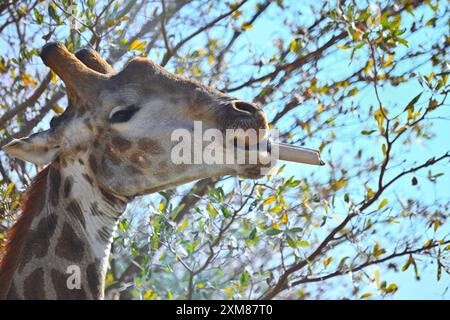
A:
319, 108
229, 291
2, 67
275, 225
326, 262
368, 66
357, 35
8, 191
366, 295
269, 200
57, 108
136, 45
161, 206
211, 59
200, 285
388, 61
182, 226
276, 209
428, 243
378, 253
148, 294
339, 184
109, 278
202, 52
246, 26
382, 203
377, 277
196, 71
53, 75
436, 224
392, 219
369, 193
383, 148
236, 14
284, 218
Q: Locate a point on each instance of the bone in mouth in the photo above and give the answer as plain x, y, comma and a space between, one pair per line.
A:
286, 152
292, 153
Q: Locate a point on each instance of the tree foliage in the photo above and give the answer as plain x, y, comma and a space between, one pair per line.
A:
366, 83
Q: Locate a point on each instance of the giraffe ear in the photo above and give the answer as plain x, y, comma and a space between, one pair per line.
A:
38, 148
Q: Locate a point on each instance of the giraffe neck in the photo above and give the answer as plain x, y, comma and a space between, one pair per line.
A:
65, 253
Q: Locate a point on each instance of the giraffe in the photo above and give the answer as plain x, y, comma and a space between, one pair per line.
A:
112, 143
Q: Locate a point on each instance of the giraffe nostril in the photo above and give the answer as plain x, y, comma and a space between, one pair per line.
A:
245, 106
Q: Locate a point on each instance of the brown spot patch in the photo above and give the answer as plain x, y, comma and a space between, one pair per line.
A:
149, 145
92, 162
120, 143
113, 157
74, 209
132, 170
88, 179
51, 221
69, 245
104, 168
59, 280
95, 210
88, 125
67, 186
33, 286
104, 234
38, 240
94, 279
55, 183
139, 159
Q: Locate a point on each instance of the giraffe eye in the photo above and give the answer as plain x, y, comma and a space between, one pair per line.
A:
123, 115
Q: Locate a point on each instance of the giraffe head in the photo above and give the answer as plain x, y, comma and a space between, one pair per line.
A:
119, 125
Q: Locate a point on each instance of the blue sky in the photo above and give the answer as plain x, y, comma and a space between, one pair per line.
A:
260, 38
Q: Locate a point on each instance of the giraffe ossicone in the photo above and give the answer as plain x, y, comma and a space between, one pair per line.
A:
112, 143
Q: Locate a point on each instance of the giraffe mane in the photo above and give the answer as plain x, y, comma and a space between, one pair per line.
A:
17, 234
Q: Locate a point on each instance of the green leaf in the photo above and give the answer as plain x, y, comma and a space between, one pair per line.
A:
408, 263
39, 17
291, 242
211, 210
346, 197
367, 132
243, 280
413, 101
252, 234
225, 211
303, 243
403, 41
273, 232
